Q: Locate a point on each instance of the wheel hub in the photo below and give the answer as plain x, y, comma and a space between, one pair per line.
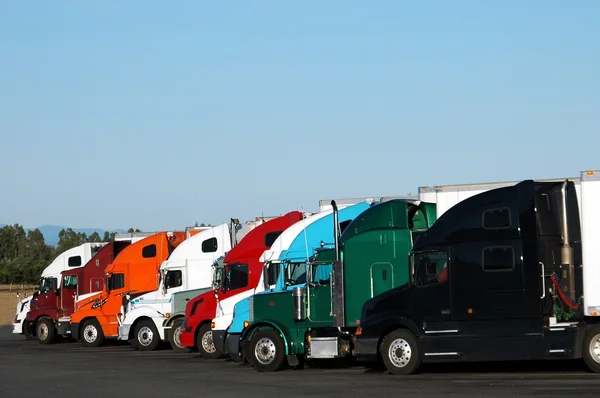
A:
177, 336
42, 331
595, 348
400, 353
265, 351
207, 342
90, 333
145, 336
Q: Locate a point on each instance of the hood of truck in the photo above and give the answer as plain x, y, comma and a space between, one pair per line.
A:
394, 300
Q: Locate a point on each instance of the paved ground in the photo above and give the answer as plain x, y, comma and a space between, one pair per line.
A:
28, 369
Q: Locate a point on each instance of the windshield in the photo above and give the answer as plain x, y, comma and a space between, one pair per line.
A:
235, 277
295, 273
70, 282
46, 284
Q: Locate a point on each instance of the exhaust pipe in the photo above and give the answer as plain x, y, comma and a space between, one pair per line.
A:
337, 285
336, 228
566, 252
232, 232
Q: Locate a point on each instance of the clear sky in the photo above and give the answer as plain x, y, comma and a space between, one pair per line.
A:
154, 114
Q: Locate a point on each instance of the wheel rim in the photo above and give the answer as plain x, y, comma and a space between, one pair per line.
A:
42, 331
265, 351
145, 336
177, 336
595, 348
207, 342
400, 353
90, 333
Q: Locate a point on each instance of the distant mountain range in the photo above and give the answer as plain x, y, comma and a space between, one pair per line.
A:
50, 232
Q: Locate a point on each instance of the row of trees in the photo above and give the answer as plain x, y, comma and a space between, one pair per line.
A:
24, 255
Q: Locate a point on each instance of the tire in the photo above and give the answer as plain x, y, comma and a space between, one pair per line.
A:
174, 333
400, 352
267, 351
146, 337
45, 330
591, 348
204, 343
91, 334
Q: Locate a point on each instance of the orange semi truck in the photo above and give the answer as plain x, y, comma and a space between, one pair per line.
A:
134, 271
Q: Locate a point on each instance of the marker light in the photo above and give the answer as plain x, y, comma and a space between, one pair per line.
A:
359, 331
167, 315
212, 325
246, 324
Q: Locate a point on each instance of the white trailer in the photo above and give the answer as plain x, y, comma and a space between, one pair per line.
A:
446, 196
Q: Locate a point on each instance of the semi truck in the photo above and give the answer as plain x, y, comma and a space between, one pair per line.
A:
508, 274
148, 318
318, 321
51, 308
284, 269
240, 272
133, 272
51, 280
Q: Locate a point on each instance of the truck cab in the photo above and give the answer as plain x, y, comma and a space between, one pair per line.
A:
284, 268
51, 283
240, 273
499, 276
318, 321
148, 317
133, 273
49, 315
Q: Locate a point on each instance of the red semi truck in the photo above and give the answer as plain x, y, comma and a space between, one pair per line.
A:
242, 271
54, 304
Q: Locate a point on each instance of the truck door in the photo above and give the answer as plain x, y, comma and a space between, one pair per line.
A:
431, 303
319, 293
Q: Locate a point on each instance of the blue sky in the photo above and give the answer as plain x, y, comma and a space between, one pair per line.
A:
156, 115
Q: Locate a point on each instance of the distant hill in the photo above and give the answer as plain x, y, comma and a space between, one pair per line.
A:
50, 232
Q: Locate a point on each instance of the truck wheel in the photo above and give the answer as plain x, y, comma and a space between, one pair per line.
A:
91, 333
400, 352
45, 330
204, 343
267, 351
146, 336
174, 334
591, 348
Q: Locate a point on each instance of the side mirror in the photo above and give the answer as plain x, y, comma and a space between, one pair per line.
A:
128, 297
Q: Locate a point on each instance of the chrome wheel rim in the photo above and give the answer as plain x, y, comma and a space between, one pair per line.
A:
177, 336
145, 336
90, 333
207, 342
595, 348
399, 353
265, 351
42, 331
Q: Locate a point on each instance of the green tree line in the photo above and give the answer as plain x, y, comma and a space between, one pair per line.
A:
24, 255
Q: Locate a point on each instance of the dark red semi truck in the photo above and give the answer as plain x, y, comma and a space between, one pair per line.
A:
52, 307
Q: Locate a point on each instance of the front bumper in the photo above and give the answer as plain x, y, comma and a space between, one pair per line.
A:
74, 329
232, 342
62, 327
187, 337
27, 327
218, 337
124, 332
18, 327
366, 349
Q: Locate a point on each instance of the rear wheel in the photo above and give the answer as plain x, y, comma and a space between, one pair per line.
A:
146, 336
400, 352
91, 333
591, 348
45, 330
267, 351
204, 342
174, 335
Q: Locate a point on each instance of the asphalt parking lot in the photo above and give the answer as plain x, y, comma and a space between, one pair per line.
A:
28, 369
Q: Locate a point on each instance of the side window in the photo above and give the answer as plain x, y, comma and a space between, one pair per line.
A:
237, 275
271, 237
70, 282
74, 261
272, 273
209, 245
501, 258
174, 278
116, 281
496, 218
149, 251
322, 273
344, 225
430, 268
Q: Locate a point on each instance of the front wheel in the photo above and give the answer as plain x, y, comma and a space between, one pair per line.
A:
146, 336
91, 333
400, 352
267, 351
174, 335
45, 330
591, 348
204, 343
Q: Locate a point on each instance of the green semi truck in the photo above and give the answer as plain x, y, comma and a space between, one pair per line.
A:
317, 320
